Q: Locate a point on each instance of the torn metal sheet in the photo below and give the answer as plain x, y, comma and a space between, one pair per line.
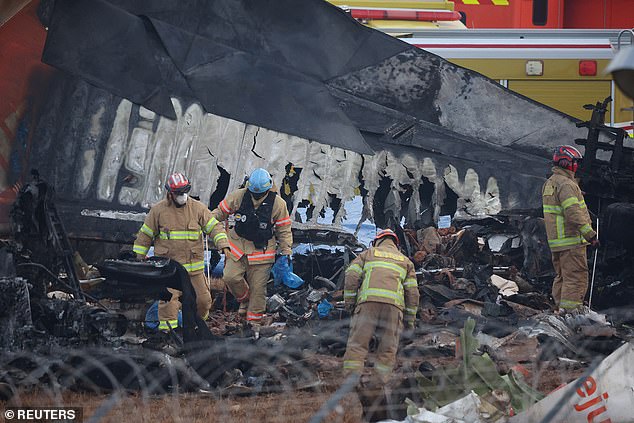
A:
16, 310
211, 51
605, 395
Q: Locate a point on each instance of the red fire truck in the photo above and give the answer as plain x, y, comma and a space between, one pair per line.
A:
551, 14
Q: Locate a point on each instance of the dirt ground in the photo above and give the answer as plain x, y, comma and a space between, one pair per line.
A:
296, 406
285, 407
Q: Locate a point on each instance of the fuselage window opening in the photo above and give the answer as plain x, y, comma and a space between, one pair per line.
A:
540, 12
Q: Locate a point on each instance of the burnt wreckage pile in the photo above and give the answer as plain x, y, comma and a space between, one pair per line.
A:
484, 290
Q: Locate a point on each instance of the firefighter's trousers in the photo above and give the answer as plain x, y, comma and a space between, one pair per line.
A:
571, 279
168, 310
247, 282
370, 318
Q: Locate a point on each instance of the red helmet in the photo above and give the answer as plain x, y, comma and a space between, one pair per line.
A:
384, 233
177, 183
567, 156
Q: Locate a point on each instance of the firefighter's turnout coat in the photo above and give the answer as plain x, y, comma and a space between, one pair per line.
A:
240, 246
177, 233
382, 274
568, 223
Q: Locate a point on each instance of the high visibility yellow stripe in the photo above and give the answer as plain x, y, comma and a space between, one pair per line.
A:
382, 293
211, 225
387, 254
383, 368
147, 231
179, 235
347, 293
192, 267
355, 268
139, 249
366, 291
500, 2
585, 229
168, 324
561, 229
552, 209
385, 265
566, 242
410, 282
471, 1
219, 237
352, 364
410, 310
569, 304
568, 202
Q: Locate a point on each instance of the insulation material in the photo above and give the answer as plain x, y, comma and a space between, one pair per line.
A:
196, 143
114, 155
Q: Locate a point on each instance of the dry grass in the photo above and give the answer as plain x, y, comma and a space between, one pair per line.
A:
285, 407
295, 406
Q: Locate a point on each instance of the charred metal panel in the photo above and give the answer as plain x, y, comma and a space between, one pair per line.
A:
15, 309
362, 107
211, 51
140, 150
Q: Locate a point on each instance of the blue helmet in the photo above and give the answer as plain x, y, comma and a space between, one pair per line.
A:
260, 181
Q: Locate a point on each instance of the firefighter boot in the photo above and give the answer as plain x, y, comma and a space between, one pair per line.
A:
255, 327
242, 311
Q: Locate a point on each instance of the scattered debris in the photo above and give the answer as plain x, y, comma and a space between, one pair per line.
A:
486, 323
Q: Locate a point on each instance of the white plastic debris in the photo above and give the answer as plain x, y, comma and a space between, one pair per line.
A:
444, 221
466, 409
469, 409
606, 395
59, 295
506, 287
426, 416
497, 241
489, 341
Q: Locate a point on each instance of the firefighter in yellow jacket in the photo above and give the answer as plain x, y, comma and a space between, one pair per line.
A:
258, 226
569, 229
175, 225
380, 284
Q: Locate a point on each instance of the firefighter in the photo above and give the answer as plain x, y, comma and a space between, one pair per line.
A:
379, 285
258, 225
569, 229
175, 225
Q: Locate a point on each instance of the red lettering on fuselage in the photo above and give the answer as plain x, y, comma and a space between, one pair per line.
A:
589, 388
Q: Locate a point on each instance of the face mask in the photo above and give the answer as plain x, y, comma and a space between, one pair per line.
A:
180, 199
257, 196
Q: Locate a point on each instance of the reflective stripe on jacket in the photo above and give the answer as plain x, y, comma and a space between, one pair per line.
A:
566, 216
239, 246
382, 274
177, 233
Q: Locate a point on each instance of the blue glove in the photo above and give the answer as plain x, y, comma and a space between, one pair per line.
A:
283, 273
323, 309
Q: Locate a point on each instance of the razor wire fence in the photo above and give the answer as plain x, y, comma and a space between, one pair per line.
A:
296, 374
